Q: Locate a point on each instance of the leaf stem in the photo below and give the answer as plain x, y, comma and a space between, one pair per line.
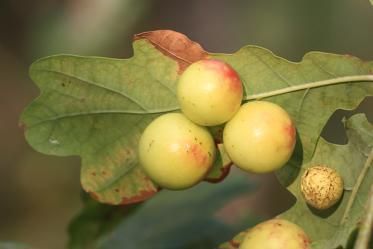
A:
334, 81
366, 227
359, 180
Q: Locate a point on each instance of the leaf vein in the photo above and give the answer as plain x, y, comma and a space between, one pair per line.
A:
323, 68
283, 79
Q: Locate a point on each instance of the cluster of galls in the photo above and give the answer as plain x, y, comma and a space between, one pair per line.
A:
177, 151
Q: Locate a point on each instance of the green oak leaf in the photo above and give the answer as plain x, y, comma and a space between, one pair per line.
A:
170, 220
263, 72
332, 228
97, 107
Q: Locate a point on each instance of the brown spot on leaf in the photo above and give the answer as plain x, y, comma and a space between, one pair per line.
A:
93, 174
143, 195
175, 45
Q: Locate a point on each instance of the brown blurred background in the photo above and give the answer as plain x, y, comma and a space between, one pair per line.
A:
40, 194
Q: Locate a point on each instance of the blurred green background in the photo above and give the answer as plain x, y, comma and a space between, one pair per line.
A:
40, 194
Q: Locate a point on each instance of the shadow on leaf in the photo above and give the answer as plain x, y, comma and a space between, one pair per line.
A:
326, 212
287, 174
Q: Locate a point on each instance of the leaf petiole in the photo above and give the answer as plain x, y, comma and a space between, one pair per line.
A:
334, 81
367, 225
359, 180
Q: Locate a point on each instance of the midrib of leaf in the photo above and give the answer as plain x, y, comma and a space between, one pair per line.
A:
100, 112
356, 187
310, 85
93, 84
305, 86
291, 88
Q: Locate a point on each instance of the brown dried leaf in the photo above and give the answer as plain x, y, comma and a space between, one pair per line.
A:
175, 45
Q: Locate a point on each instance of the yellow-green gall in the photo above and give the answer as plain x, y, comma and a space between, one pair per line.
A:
276, 234
209, 92
175, 152
321, 187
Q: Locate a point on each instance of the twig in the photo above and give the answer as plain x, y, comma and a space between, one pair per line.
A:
359, 180
362, 241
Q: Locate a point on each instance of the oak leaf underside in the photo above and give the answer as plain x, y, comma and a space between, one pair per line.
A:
98, 107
